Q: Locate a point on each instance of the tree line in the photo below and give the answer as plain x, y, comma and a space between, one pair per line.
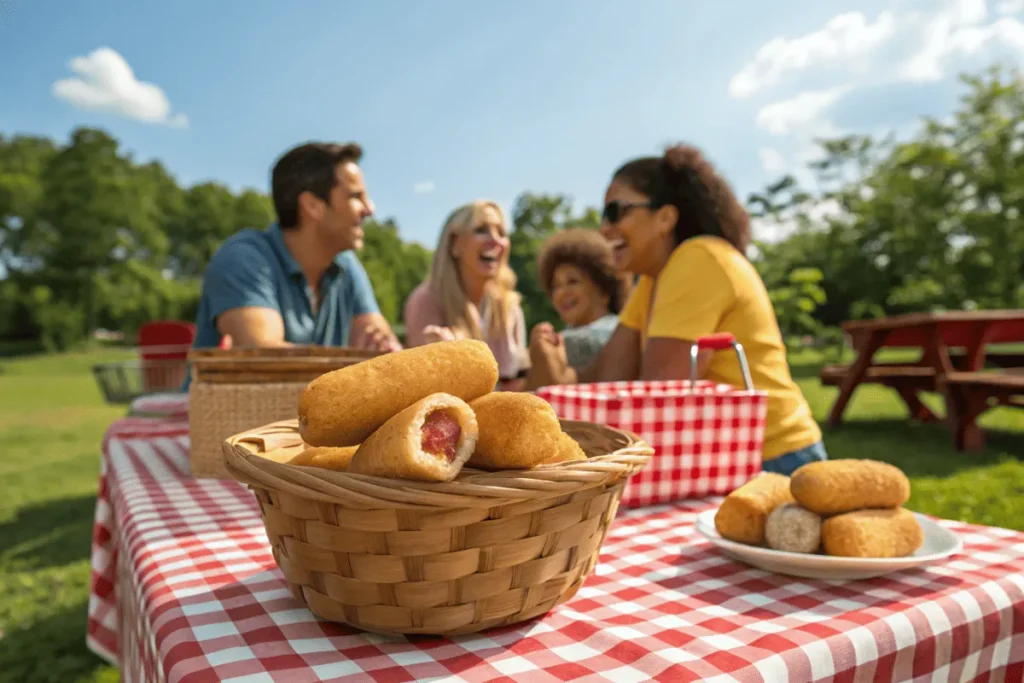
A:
91, 238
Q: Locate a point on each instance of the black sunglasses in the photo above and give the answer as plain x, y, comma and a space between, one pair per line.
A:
616, 211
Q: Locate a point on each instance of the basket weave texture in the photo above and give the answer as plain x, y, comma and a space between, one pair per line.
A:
216, 411
240, 389
403, 557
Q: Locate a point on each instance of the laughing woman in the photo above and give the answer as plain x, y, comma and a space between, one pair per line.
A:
470, 291
674, 221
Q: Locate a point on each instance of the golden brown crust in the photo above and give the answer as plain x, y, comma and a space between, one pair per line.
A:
744, 512
872, 533
569, 450
345, 406
519, 431
327, 457
395, 449
832, 487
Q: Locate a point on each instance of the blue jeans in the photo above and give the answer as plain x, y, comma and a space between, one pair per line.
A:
790, 462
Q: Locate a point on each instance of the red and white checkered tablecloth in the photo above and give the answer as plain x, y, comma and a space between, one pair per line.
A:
185, 589
171, 404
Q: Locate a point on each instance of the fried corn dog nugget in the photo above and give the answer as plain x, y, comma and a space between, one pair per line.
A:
428, 441
327, 457
343, 407
832, 487
519, 431
872, 533
744, 512
793, 529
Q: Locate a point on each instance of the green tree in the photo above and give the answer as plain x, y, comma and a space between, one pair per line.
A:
932, 222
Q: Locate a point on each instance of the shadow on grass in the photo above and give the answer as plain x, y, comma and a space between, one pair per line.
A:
920, 450
16, 349
49, 534
52, 650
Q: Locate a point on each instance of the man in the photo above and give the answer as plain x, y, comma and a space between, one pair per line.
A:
299, 281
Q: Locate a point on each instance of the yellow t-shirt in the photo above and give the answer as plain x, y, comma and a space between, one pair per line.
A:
708, 286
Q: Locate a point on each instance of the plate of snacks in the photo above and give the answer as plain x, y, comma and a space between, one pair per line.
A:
836, 519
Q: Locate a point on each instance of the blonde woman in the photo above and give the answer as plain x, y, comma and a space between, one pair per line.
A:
470, 291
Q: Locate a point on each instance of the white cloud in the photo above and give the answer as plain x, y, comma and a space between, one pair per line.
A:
774, 230
945, 40
423, 187
105, 82
772, 161
1010, 7
843, 39
803, 111
913, 41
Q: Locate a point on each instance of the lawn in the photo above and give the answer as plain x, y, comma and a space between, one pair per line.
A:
52, 418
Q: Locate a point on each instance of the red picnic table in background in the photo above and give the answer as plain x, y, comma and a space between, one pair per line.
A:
955, 347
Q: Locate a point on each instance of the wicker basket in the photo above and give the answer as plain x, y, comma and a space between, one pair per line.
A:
239, 389
402, 557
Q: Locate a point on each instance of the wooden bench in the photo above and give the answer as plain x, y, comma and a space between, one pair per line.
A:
911, 379
907, 380
969, 394
832, 375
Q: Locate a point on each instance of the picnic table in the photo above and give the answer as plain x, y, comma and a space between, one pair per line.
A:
185, 589
956, 341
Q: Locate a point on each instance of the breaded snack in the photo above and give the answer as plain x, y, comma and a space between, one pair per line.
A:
793, 529
744, 512
832, 487
519, 431
872, 533
327, 457
343, 407
428, 441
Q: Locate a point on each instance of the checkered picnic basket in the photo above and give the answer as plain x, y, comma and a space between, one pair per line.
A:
707, 437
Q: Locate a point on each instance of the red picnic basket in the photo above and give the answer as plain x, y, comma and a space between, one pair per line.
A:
707, 437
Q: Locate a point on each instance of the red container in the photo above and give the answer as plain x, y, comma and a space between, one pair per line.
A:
707, 437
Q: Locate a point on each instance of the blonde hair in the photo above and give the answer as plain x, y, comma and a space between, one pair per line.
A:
445, 281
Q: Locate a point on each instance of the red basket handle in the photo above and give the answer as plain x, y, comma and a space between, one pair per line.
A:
720, 341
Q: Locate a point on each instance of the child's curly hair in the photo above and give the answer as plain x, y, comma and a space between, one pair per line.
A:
684, 178
591, 253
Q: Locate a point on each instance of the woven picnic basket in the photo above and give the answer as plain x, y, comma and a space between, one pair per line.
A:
233, 390
404, 557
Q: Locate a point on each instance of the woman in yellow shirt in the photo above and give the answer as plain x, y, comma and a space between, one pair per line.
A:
676, 223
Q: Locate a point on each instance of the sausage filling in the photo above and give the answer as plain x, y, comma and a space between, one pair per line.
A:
441, 434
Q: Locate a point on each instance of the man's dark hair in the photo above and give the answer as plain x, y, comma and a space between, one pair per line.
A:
684, 178
307, 168
589, 252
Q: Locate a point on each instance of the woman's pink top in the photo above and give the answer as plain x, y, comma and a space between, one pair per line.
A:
422, 309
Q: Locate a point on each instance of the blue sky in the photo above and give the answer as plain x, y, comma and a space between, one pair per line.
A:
455, 100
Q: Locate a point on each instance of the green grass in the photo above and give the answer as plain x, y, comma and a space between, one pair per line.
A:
52, 418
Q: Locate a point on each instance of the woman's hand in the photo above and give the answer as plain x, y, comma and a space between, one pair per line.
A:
436, 333
548, 362
376, 337
544, 332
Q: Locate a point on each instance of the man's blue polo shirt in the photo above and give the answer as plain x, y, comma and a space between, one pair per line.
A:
255, 268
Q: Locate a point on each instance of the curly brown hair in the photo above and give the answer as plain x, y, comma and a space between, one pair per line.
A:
591, 253
685, 179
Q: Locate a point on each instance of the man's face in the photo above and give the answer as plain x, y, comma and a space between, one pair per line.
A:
349, 205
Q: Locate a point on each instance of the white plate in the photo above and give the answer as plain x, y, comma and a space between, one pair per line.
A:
939, 543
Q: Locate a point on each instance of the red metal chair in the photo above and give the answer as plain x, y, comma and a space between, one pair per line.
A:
163, 347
